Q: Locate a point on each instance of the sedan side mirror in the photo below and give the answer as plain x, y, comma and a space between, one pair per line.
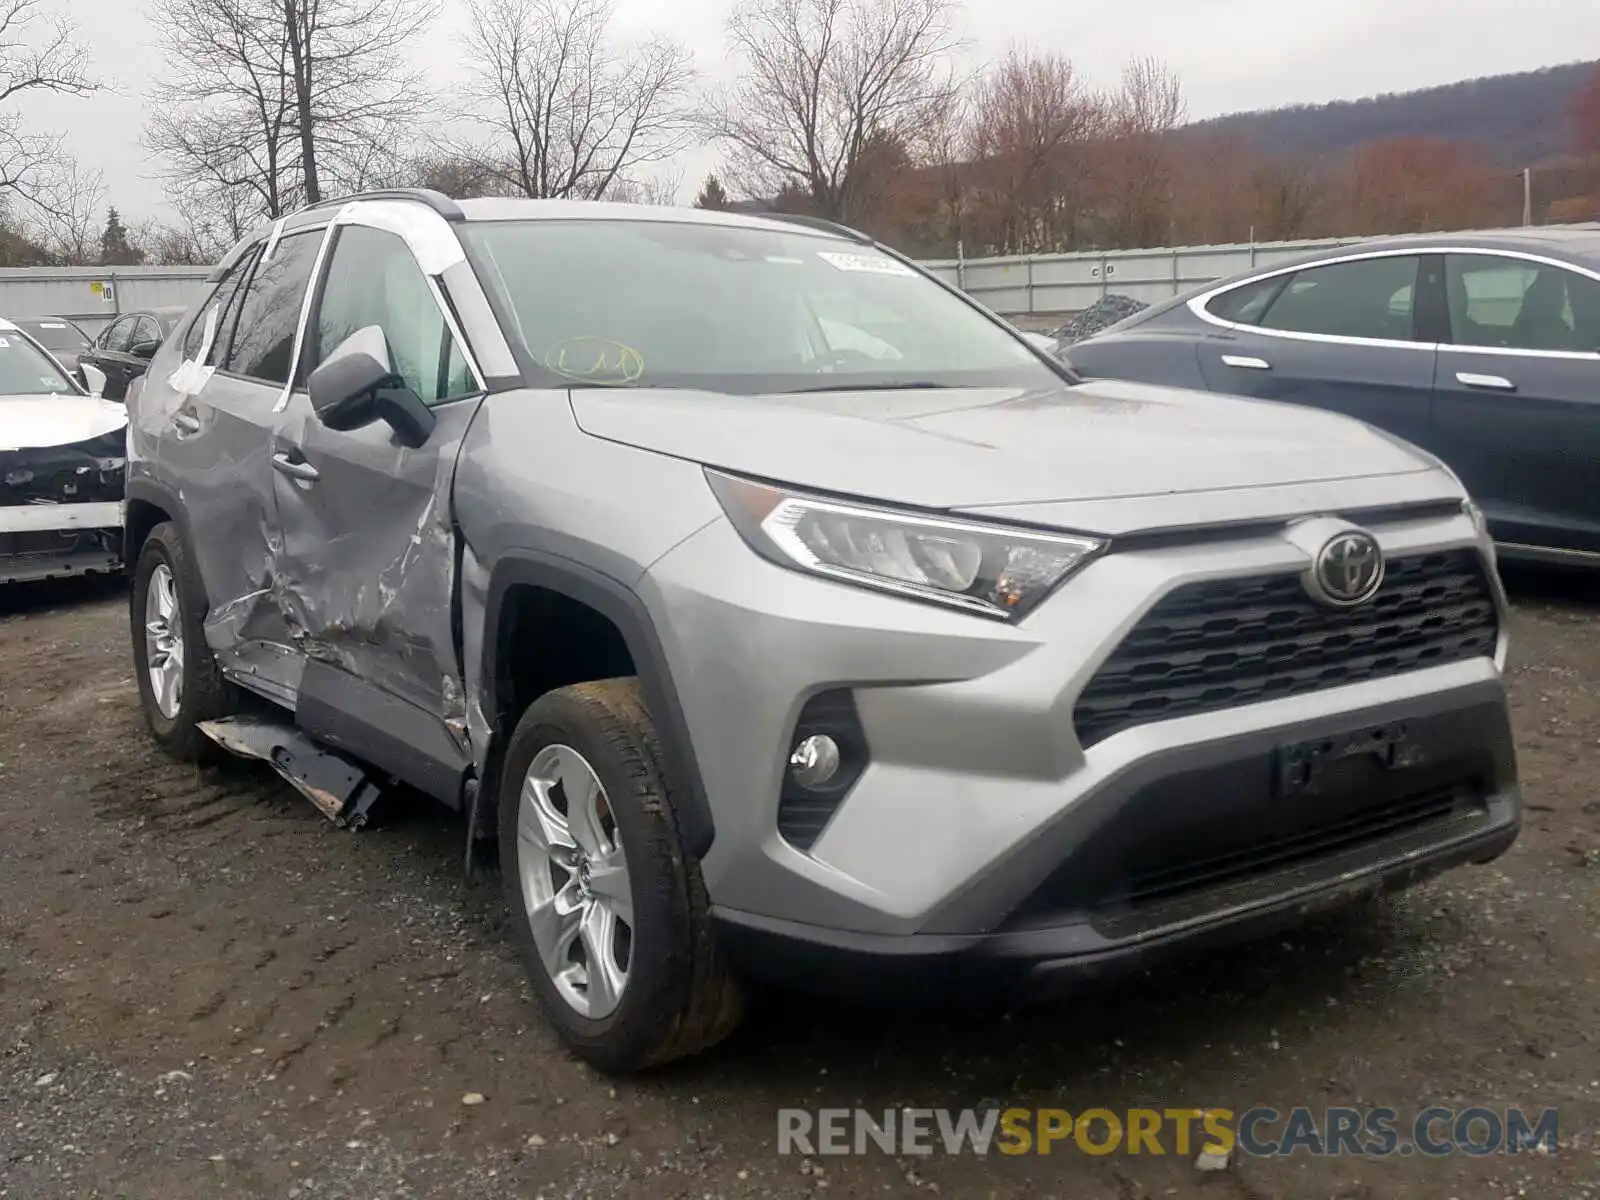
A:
145, 350
357, 385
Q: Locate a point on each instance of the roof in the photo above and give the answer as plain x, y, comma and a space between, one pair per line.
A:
524, 209
519, 209
1574, 241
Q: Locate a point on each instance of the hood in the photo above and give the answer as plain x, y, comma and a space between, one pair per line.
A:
970, 448
29, 422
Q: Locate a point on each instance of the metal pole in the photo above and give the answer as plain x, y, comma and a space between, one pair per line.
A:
1527, 195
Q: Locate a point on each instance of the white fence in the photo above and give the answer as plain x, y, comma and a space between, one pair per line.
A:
1066, 283
93, 295
1016, 286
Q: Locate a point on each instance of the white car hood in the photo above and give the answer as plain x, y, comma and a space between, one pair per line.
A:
30, 422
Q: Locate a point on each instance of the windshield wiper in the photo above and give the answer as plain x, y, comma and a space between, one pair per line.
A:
900, 385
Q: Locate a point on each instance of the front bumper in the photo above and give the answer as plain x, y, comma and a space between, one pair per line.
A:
51, 541
982, 827
1094, 908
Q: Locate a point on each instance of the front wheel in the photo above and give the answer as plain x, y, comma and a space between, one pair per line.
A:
180, 684
608, 909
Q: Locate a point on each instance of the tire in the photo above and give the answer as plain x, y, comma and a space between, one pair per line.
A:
204, 694
678, 997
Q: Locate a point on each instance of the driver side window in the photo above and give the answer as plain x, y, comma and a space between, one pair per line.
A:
118, 335
374, 280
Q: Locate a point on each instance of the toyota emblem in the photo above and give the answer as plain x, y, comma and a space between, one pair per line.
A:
1348, 569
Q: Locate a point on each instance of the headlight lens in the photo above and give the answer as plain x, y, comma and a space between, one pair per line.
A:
986, 569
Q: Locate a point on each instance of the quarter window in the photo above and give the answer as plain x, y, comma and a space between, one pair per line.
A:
263, 336
1367, 298
374, 280
1245, 305
1512, 303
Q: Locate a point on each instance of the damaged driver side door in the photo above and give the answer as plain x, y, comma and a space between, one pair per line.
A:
369, 548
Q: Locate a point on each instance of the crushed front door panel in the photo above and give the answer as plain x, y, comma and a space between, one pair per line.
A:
366, 572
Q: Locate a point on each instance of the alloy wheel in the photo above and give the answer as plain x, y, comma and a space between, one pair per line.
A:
575, 884
163, 641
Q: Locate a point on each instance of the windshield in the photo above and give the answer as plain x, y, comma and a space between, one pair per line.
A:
25, 370
56, 335
733, 309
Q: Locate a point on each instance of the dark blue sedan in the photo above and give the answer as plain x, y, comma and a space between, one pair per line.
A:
1483, 348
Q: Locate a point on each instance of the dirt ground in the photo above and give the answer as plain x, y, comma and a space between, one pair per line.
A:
206, 989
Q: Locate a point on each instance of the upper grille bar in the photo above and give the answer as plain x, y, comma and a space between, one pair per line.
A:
1226, 642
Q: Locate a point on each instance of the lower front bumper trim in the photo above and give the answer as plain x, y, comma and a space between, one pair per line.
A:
900, 968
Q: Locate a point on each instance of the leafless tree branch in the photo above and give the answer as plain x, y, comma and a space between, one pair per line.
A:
36, 56
267, 103
822, 81
568, 111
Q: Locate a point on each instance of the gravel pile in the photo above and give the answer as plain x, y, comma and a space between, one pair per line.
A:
1102, 314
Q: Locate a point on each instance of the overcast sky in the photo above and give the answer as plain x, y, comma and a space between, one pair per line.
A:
1230, 54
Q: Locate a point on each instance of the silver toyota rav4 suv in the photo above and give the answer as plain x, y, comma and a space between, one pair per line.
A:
787, 616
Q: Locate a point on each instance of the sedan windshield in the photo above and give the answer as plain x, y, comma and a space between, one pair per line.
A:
57, 335
736, 309
25, 370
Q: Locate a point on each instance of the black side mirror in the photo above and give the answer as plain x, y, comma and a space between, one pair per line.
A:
145, 350
357, 386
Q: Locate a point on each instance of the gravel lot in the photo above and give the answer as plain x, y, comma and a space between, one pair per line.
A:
206, 989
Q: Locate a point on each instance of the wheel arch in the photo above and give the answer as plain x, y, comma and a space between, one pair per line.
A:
518, 573
147, 504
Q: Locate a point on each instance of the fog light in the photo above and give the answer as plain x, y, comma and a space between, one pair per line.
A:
815, 761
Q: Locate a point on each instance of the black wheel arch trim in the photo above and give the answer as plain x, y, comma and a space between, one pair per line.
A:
149, 491
624, 608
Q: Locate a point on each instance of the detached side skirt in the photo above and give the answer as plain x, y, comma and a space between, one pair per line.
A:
339, 787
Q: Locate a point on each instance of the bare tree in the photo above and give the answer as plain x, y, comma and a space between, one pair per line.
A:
1032, 121
443, 170
65, 212
269, 103
1136, 163
821, 80
659, 190
196, 238
32, 62
567, 109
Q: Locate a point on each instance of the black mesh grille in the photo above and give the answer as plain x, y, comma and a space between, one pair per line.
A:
1226, 642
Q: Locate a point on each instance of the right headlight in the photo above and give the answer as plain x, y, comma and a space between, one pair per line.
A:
989, 569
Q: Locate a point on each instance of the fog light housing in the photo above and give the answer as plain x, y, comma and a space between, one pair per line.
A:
827, 754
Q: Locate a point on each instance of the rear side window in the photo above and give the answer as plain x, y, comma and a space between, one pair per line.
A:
1368, 298
226, 300
1516, 304
1245, 305
263, 334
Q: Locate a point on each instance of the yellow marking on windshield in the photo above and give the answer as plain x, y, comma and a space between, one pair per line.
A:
595, 360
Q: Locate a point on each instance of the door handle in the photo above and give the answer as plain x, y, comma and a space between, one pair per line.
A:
1245, 362
185, 423
1498, 383
295, 468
